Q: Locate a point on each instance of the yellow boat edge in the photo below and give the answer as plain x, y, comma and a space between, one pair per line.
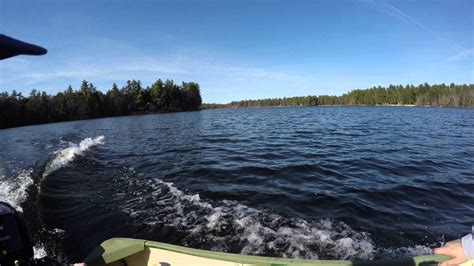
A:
142, 252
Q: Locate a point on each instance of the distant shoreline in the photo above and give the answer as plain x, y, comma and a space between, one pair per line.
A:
337, 105
452, 95
89, 102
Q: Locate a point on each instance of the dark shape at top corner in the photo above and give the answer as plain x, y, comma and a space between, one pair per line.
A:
10, 47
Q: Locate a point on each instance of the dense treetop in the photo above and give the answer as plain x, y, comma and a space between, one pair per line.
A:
88, 102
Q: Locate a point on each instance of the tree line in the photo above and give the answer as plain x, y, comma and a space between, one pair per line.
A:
89, 102
166, 96
422, 95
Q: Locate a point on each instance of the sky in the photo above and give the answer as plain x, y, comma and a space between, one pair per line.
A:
240, 49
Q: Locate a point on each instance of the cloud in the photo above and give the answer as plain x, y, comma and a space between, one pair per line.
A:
256, 73
392, 11
34, 77
467, 54
112, 69
13, 64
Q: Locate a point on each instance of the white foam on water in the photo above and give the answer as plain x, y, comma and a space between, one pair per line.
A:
64, 156
14, 191
265, 233
39, 251
231, 224
417, 250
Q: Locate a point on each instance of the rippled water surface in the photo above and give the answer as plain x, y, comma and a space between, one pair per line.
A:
313, 182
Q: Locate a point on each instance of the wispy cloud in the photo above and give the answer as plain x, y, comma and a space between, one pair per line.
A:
395, 12
144, 67
34, 77
13, 63
467, 54
259, 73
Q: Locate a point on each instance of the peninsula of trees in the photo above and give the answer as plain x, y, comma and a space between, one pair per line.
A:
438, 95
89, 102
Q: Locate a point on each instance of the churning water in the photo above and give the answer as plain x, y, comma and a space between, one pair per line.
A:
313, 182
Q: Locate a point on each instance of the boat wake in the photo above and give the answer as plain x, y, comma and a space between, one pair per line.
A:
64, 156
230, 226
171, 215
15, 190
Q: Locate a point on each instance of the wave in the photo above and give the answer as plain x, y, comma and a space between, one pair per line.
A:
417, 250
14, 191
234, 227
39, 251
229, 226
65, 156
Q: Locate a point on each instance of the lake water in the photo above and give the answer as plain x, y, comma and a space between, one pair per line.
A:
310, 182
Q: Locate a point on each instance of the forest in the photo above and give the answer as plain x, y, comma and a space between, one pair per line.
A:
437, 95
89, 102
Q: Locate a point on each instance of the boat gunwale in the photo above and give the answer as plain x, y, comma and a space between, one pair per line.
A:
119, 248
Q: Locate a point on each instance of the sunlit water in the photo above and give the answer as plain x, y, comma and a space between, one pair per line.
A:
316, 182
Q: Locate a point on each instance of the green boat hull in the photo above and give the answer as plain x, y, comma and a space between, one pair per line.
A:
125, 251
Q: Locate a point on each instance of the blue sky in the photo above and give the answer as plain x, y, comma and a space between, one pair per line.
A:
240, 49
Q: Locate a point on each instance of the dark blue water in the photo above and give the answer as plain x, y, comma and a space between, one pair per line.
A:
315, 182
